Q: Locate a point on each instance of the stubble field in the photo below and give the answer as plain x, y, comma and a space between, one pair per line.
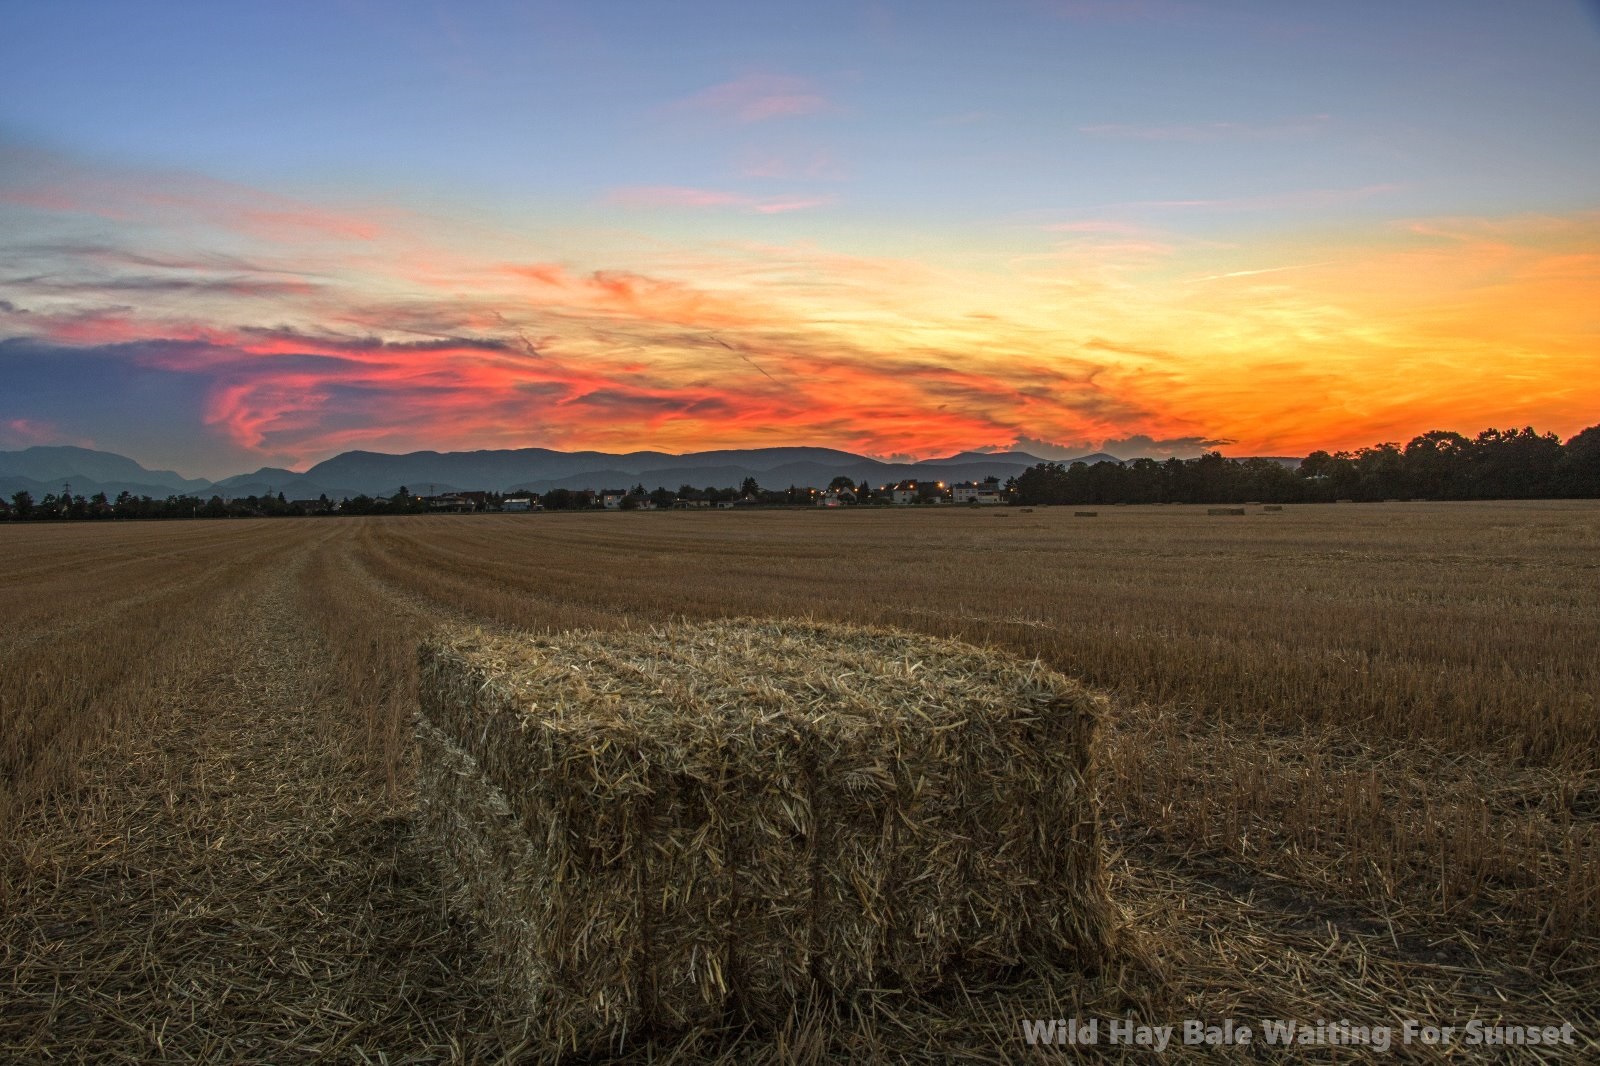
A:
1354, 774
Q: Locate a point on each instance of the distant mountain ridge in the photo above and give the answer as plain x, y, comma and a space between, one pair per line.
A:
40, 470
63, 461
46, 469
542, 469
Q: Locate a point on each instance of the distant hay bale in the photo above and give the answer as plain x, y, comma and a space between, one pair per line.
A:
1085, 514
1273, 507
716, 822
1224, 510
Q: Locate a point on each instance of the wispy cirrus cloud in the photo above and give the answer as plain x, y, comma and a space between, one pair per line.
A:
672, 196
758, 97
426, 337
1093, 226
226, 286
815, 165
1293, 198
27, 432
47, 182
668, 196
1254, 271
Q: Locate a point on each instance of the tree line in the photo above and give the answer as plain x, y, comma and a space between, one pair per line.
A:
1439, 465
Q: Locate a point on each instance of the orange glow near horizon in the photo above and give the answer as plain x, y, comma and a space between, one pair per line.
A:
1097, 333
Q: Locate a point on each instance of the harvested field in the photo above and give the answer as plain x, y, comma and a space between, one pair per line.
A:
1356, 773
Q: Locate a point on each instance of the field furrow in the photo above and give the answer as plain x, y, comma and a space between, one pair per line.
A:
1353, 771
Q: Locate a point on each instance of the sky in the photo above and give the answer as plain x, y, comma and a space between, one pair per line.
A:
241, 235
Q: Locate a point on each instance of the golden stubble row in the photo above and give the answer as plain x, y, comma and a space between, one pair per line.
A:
1391, 704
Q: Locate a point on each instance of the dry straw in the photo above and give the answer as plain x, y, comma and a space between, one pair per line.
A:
721, 822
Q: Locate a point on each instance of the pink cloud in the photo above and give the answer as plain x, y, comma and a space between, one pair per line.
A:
49, 182
817, 166
778, 207
627, 294
1093, 225
671, 196
758, 98
27, 432
647, 196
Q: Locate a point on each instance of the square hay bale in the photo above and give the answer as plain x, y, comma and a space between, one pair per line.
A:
715, 822
1224, 510
1085, 514
1273, 507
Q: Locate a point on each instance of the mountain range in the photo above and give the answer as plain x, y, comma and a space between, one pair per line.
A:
41, 470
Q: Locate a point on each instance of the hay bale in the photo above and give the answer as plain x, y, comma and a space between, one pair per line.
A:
1273, 507
718, 822
1224, 510
1085, 514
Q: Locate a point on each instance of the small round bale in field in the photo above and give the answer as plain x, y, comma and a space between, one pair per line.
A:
718, 822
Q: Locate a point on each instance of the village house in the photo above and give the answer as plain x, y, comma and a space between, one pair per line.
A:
611, 499
520, 503
914, 491
691, 499
460, 502
987, 491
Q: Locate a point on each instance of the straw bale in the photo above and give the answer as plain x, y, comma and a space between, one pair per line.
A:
1224, 510
1085, 514
717, 822
1273, 507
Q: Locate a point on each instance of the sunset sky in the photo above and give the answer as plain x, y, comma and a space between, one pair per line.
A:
236, 234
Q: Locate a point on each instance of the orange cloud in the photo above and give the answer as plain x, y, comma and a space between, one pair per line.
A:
411, 335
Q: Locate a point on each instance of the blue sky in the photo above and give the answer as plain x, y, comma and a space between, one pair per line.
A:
1148, 142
